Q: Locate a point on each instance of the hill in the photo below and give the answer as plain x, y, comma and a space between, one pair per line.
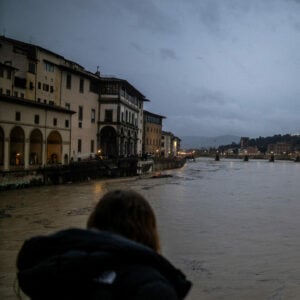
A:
197, 142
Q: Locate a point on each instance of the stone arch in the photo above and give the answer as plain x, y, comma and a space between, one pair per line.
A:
1, 146
108, 141
17, 146
54, 148
36, 147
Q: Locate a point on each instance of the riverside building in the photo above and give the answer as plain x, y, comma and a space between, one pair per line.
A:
170, 144
121, 118
53, 111
152, 133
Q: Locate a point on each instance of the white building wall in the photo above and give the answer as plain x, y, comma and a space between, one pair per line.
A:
46, 77
84, 130
27, 123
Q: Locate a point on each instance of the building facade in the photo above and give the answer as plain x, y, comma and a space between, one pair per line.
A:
121, 118
80, 93
279, 148
42, 76
62, 112
152, 133
33, 134
170, 144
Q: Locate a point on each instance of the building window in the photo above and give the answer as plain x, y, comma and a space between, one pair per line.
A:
45, 87
93, 115
8, 92
122, 116
94, 86
108, 115
80, 124
79, 145
8, 74
31, 68
67, 123
80, 113
51, 89
81, 85
54, 121
68, 106
36, 119
1, 72
69, 79
39, 85
110, 89
18, 116
16, 94
49, 67
92, 146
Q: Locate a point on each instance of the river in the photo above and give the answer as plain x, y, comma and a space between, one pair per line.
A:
232, 227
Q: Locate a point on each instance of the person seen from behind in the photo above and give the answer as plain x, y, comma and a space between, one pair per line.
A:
116, 257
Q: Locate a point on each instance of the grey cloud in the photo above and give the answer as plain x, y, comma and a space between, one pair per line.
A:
246, 81
168, 54
138, 48
206, 96
149, 16
208, 13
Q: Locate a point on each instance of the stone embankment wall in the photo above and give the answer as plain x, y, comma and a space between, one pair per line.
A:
20, 179
166, 164
83, 171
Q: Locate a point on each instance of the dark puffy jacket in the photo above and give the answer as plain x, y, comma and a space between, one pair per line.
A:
85, 264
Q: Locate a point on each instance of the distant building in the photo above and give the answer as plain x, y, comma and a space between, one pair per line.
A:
279, 148
166, 144
175, 145
249, 150
152, 133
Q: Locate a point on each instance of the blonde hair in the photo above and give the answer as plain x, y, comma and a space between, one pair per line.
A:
127, 213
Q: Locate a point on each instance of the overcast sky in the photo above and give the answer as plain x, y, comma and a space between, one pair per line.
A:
212, 67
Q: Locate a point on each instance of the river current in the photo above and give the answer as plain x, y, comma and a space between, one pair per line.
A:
232, 227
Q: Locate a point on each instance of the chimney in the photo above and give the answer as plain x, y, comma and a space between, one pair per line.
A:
97, 72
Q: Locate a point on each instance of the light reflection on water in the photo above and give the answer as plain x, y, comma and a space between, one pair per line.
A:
231, 226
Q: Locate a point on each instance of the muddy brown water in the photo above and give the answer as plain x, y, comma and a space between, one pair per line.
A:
232, 227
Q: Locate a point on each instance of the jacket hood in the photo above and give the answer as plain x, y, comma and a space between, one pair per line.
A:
75, 256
